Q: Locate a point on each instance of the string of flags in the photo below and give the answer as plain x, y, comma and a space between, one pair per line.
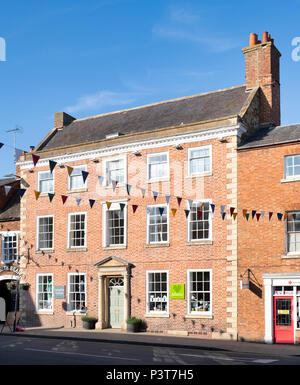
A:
231, 213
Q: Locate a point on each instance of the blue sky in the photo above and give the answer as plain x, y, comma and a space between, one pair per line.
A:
91, 57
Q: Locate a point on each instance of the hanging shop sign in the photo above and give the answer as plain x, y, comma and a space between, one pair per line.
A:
59, 292
11, 269
177, 291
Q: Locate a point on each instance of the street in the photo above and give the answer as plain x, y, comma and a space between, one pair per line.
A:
47, 351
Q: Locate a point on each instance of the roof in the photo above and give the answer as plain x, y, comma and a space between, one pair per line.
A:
11, 211
273, 135
187, 110
7, 181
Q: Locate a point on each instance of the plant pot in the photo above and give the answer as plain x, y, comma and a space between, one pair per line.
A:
133, 328
89, 324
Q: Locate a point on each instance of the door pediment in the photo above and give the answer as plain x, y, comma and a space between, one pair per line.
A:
112, 262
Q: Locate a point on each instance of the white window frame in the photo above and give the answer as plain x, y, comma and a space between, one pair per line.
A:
68, 292
38, 232
104, 169
157, 179
69, 230
151, 312
9, 234
287, 252
190, 149
148, 224
39, 180
105, 235
188, 280
209, 239
290, 177
84, 185
37, 294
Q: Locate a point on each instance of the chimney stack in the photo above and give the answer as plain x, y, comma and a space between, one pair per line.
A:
61, 119
262, 70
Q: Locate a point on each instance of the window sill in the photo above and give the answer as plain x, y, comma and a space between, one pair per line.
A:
294, 179
197, 315
72, 313
119, 185
77, 191
158, 180
45, 194
290, 256
153, 315
154, 245
40, 312
76, 249
198, 243
114, 247
199, 175
44, 251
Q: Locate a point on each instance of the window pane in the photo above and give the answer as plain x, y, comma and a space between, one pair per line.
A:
157, 292
199, 292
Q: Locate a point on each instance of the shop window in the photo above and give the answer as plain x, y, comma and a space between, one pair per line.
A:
77, 292
157, 292
199, 291
44, 292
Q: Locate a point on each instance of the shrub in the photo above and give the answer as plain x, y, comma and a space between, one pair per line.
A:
86, 318
133, 320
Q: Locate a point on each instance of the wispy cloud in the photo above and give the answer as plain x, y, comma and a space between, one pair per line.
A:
212, 43
182, 15
101, 99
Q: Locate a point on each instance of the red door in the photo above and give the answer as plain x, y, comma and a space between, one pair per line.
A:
283, 320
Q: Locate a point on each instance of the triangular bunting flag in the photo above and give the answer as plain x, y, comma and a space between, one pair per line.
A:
167, 199
179, 201
161, 210
108, 204
270, 215
223, 215
35, 159
174, 212
70, 170
92, 201
100, 179
122, 205
114, 184
1, 145
190, 202
262, 214
253, 213
291, 216
247, 216
154, 194
222, 209
258, 216
51, 196
244, 213
37, 194
52, 164
187, 213
143, 192
7, 189
84, 175
22, 192
128, 187
234, 215
285, 216
199, 214
148, 209
78, 200
279, 216
232, 210
64, 198
134, 207
294, 216
212, 206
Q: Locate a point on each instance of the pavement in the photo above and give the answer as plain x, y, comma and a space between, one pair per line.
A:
118, 336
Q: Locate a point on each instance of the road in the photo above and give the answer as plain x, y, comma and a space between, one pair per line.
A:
44, 351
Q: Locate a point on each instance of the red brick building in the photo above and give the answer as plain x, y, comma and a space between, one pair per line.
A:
134, 212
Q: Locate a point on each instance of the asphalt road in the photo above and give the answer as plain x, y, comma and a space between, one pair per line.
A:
42, 351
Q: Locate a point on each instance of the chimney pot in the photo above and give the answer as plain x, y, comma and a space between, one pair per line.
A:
252, 39
265, 37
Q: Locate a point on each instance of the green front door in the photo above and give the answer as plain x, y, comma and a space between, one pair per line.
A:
116, 302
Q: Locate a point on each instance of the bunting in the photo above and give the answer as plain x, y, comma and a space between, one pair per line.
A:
108, 204
231, 210
122, 205
161, 210
155, 194
179, 201
37, 194
52, 165
128, 188
35, 159
279, 216
92, 202
223, 215
64, 198
167, 199
270, 215
70, 170
247, 216
78, 200
234, 215
7, 189
134, 208
187, 212
51, 196
173, 212
22, 191
100, 179
114, 184
253, 213
84, 175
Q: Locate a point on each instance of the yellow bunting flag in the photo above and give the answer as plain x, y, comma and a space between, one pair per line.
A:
244, 213
291, 216
234, 215
108, 204
174, 212
70, 170
37, 194
285, 216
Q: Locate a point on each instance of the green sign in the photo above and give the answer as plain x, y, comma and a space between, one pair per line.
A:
177, 291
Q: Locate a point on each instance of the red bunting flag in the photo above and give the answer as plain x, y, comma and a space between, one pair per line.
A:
35, 159
270, 215
257, 216
134, 207
64, 198
232, 210
179, 200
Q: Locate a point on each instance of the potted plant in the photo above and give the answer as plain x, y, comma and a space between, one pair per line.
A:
11, 285
133, 324
25, 286
88, 322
